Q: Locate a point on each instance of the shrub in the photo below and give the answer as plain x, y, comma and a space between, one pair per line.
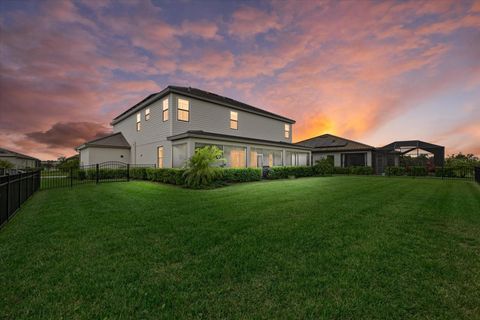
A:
166, 175
240, 174
323, 167
286, 172
138, 173
417, 171
340, 170
200, 170
361, 170
6, 164
395, 171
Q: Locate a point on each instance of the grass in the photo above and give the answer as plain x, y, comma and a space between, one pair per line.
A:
337, 247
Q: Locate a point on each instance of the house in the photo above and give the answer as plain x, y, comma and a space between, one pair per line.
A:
166, 128
19, 161
342, 152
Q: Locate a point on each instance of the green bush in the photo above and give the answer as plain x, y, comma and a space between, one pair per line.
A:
201, 172
361, 170
166, 175
395, 171
340, 170
240, 175
417, 171
138, 173
323, 167
287, 172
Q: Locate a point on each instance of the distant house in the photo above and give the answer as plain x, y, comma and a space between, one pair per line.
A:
19, 161
342, 152
166, 128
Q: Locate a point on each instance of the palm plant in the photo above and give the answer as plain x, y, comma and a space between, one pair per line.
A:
200, 170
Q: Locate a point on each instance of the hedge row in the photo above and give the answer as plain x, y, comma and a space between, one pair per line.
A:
175, 176
353, 170
287, 172
409, 171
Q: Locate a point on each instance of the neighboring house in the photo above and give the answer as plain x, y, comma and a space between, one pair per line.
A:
113, 147
19, 161
342, 152
165, 129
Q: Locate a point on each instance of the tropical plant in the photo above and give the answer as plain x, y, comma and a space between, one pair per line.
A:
201, 170
6, 164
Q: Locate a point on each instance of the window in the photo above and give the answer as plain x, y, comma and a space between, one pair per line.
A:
287, 131
265, 157
165, 110
234, 120
179, 155
160, 157
147, 114
139, 125
183, 110
236, 156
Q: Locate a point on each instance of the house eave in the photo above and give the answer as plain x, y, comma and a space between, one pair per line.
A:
168, 90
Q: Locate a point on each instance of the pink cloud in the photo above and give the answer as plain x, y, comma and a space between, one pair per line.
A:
203, 29
248, 22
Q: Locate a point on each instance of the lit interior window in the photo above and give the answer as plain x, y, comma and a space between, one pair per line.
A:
160, 157
233, 120
287, 131
147, 114
139, 125
183, 110
165, 110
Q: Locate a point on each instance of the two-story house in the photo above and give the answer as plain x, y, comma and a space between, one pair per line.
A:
166, 127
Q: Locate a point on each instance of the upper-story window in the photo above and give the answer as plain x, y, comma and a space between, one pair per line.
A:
234, 120
139, 125
165, 110
147, 114
287, 131
183, 110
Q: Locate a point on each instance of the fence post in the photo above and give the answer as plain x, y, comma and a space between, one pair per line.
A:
443, 172
19, 189
8, 195
96, 172
128, 171
71, 177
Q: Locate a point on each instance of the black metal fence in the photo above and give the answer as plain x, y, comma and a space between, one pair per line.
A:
450, 172
477, 174
14, 190
112, 171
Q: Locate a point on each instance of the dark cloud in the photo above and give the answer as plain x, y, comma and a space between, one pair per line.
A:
69, 134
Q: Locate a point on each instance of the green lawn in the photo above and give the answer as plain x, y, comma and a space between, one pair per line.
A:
336, 247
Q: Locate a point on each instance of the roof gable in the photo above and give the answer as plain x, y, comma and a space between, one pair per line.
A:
115, 140
330, 142
8, 153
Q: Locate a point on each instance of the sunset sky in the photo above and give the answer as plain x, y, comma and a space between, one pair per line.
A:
370, 71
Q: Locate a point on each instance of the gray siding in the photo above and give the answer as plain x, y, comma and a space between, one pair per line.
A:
204, 116
211, 117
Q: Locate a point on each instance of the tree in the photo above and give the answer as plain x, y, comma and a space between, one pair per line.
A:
462, 160
6, 164
71, 163
201, 171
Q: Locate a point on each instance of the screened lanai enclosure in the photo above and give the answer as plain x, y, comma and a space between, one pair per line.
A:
409, 153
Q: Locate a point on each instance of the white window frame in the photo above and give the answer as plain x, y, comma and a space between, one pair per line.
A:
139, 124
287, 130
183, 109
147, 114
160, 160
234, 120
165, 110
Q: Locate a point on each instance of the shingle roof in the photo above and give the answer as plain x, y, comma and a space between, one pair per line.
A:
8, 153
227, 137
115, 140
201, 95
329, 142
